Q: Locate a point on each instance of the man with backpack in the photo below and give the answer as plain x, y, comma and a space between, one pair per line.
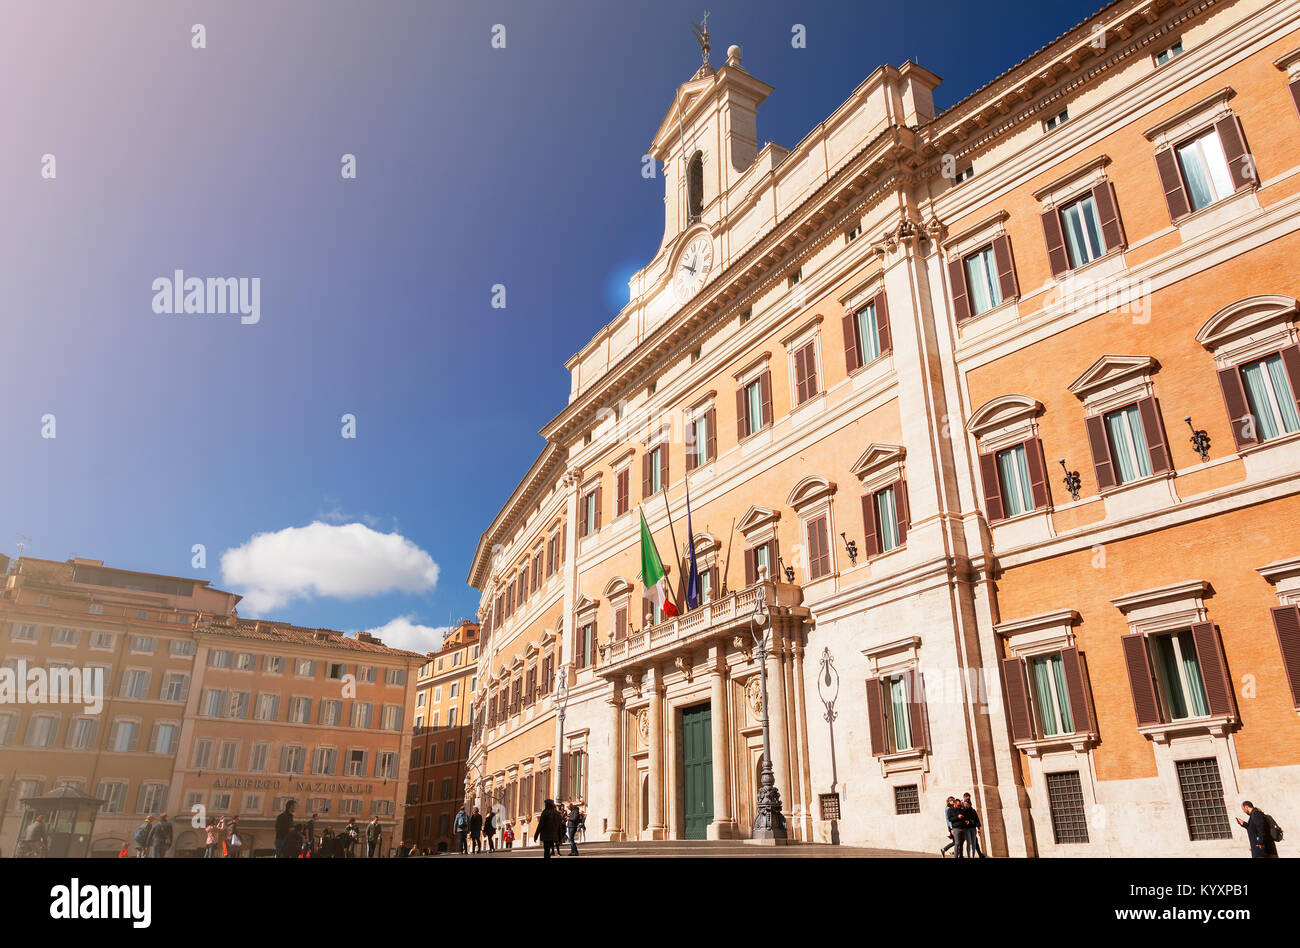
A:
160, 838
141, 838
1262, 830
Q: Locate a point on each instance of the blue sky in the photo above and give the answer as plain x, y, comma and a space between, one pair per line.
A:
475, 166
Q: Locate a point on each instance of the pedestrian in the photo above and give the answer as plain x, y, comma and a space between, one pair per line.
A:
351, 836
1262, 831
947, 821
475, 829
37, 840
549, 827
374, 835
210, 843
223, 836
957, 820
490, 831
141, 838
462, 831
327, 843
311, 832
234, 845
582, 823
575, 820
564, 812
283, 824
160, 838
291, 845
973, 830
508, 836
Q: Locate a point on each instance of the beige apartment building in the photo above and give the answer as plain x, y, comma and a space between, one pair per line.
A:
204, 714
924, 375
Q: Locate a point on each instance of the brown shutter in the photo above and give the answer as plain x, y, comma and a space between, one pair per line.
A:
1112, 228
820, 532
1055, 242
751, 568
1286, 622
876, 718
1154, 429
800, 377
690, 448
852, 352
582, 516
1291, 362
1295, 94
646, 460
1140, 679
1234, 400
1171, 182
1037, 465
1006, 267
1099, 444
1241, 164
593, 645
742, 422
870, 535
960, 294
765, 396
564, 541
1080, 711
1015, 691
916, 709
713, 585
624, 476
882, 324
810, 364
1214, 671
993, 507
599, 504
711, 423
620, 624
904, 511
663, 465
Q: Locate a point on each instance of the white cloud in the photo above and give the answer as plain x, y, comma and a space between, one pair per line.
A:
403, 633
345, 561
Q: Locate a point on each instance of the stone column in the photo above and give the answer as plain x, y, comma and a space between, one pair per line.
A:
801, 740
657, 828
776, 714
618, 779
723, 826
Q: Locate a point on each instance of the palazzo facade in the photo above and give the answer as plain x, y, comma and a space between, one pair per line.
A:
924, 376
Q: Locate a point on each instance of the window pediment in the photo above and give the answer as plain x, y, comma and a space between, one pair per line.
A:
756, 518
705, 544
1115, 377
880, 462
1165, 608
1003, 411
1255, 325
585, 604
1074, 183
809, 491
617, 588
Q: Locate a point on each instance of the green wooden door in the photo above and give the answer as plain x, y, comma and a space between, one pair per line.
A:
697, 766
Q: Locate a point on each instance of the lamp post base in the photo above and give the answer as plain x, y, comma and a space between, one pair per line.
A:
770, 841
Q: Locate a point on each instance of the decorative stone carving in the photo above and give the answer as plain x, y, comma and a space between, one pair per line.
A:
643, 728
634, 682
744, 645
684, 666
754, 696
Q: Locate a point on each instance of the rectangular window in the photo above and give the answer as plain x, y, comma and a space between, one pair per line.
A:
1169, 53
1203, 806
124, 736
1178, 672
181, 647
805, 372
1013, 478
392, 718
1205, 169
164, 738
135, 683
1269, 397
245, 661
24, 633
589, 513
228, 758
257, 762
907, 800
622, 492
656, 469
1128, 444
219, 659
214, 703
239, 704
335, 671
268, 708
324, 760
152, 798
81, 735
42, 730
898, 718
1082, 230
368, 674
113, 795
819, 554
982, 281
887, 519
176, 687
304, 668
1051, 697
754, 406
65, 637
300, 710
101, 640
273, 664
1065, 803
868, 330
202, 755
1057, 120
395, 676
142, 644
362, 714
698, 441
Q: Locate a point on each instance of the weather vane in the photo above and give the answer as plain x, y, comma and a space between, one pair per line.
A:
702, 35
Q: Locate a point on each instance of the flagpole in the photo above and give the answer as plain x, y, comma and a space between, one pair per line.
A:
676, 549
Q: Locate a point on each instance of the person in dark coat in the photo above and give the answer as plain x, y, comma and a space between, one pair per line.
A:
575, 818
549, 827
476, 829
291, 847
490, 832
1258, 831
972, 828
283, 825
160, 838
462, 831
957, 823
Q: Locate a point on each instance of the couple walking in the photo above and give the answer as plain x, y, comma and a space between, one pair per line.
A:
963, 828
550, 827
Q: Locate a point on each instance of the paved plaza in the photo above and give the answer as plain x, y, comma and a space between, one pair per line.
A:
707, 849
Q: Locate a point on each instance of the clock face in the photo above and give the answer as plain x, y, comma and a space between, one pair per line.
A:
692, 267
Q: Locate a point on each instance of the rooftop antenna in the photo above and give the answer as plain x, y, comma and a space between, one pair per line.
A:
22, 540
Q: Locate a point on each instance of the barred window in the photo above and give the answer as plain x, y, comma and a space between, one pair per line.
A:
1065, 801
907, 799
1202, 789
830, 805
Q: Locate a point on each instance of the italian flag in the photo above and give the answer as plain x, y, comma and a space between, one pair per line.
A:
652, 572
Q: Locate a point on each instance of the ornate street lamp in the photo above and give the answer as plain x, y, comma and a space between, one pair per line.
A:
561, 702
769, 823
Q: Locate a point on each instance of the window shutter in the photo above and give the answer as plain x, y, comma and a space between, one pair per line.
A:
1080, 710
1171, 182
1234, 400
916, 710
153, 739
1291, 362
592, 646
1006, 267
1055, 242
765, 396
1016, 693
599, 505
800, 378
1140, 679
821, 544
882, 324
1037, 464
870, 534
876, 718
993, 507
1295, 94
1241, 163
582, 517
1112, 227
646, 460
751, 568
960, 294
1286, 622
713, 585
852, 352
620, 624
691, 446
1214, 671
647, 612
564, 541
742, 423
1154, 429
711, 423
623, 477
904, 511
663, 465
1099, 444
810, 367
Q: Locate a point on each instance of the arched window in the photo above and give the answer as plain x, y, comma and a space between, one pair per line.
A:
695, 188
